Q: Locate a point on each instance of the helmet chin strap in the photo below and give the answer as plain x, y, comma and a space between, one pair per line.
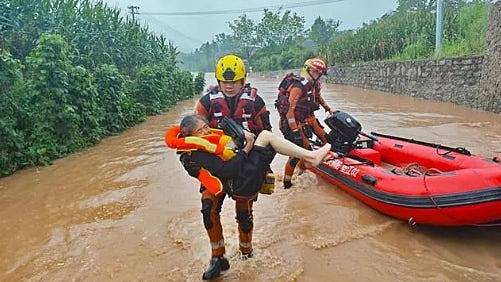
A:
311, 76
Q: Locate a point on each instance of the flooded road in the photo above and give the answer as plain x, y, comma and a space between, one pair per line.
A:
125, 210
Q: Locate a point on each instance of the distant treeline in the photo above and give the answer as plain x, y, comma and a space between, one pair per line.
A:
407, 33
73, 72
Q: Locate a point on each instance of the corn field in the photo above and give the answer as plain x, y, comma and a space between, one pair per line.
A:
75, 71
410, 34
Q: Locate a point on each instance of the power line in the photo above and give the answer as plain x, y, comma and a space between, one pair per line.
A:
165, 26
246, 10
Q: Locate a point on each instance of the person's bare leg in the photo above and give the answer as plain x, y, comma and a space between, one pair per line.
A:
285, 147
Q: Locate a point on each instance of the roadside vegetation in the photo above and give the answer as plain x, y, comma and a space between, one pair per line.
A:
75, 71
279, 40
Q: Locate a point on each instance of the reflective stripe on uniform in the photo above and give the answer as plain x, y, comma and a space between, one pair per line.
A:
216, 96
245, 125
246, 245
217, 245
246, 96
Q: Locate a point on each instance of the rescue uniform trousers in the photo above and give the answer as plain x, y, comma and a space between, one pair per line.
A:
211, 209
318, 131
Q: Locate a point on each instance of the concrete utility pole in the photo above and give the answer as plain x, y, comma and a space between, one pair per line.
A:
133, 11
439, 27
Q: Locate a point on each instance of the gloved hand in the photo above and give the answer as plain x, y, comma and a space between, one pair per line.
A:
329, 110
333, 112
249, 141
296, 137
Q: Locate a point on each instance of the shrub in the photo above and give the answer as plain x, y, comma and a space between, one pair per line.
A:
199, 83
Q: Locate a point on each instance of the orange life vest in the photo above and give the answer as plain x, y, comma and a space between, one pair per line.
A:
215, 143
308, 102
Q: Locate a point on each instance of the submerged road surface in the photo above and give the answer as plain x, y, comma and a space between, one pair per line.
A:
125, 210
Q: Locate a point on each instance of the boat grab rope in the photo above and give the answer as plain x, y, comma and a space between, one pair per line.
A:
440, 208
414, 170
487, 225
461, 150
433, 199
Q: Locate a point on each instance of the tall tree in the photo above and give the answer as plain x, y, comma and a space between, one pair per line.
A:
277, 31
322, 31
244, 35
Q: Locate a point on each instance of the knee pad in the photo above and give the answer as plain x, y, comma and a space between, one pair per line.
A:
220, 204
206, 209
244, 219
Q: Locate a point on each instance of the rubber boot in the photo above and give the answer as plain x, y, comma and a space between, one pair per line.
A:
216, 265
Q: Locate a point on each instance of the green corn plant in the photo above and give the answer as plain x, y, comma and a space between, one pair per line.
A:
73, 71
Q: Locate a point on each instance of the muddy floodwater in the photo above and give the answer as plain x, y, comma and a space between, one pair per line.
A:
125, 210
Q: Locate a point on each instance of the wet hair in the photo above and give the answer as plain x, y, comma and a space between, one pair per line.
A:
189, 123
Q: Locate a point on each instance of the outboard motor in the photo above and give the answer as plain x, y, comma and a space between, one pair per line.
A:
344, 131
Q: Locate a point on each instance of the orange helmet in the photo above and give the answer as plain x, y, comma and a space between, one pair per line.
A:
316, 64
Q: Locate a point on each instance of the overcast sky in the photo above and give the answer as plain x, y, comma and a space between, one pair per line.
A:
189, 32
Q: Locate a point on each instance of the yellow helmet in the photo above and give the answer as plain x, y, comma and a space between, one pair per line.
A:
230, 68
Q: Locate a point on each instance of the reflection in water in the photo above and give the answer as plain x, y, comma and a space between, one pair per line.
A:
126, 210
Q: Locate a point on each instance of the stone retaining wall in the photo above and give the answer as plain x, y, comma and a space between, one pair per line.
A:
472, 81
454, 80
489, 97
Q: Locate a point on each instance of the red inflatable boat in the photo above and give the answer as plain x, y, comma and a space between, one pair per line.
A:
419, 182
